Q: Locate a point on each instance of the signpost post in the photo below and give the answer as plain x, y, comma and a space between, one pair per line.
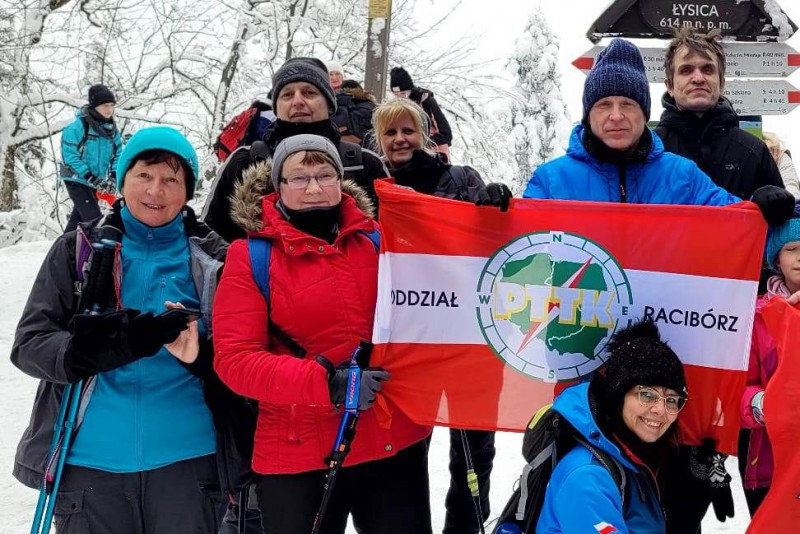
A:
380, 17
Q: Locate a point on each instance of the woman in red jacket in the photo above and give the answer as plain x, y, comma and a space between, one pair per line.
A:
291, 353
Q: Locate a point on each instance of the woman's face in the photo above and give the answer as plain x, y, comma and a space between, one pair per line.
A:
645, 412
789, 264
154, 193
399, 140
298, 192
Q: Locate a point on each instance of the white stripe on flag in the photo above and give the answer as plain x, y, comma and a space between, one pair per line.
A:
433, 299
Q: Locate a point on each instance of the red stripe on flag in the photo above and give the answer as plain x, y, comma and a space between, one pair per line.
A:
794, 97
704, 241
469, 386
793, 60
584, 63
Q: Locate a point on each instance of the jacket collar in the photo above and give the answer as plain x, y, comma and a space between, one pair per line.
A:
720, 116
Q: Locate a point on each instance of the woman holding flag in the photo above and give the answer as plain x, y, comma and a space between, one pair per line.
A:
296, 299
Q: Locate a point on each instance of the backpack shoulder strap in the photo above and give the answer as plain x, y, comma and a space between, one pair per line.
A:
260, 250
613, 467
82, 142
375, 237
459, 177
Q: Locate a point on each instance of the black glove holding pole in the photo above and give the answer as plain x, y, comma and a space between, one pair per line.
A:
371, 383
106, 341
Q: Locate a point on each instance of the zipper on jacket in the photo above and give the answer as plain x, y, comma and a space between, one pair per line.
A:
623, 193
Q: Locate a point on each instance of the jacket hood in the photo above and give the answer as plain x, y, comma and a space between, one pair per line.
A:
578, 151
722, 114
360, 94
573, 404
256, 182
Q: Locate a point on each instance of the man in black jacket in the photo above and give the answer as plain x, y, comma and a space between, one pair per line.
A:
303, 101
700, 124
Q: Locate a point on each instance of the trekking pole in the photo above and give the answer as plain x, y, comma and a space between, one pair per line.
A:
94, 298
472, 480
344, 438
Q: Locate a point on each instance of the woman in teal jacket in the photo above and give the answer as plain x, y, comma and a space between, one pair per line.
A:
90, 147
143, 459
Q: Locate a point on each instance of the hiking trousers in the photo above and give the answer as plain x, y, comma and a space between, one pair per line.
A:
387, 496
180, 497
84, 205
460, 515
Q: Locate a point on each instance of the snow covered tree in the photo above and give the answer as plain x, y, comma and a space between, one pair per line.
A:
539, 117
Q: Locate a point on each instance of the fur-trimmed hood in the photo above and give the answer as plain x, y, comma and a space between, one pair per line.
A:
360, 94
256, 182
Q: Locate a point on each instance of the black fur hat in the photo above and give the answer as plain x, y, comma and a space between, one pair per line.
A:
640, 357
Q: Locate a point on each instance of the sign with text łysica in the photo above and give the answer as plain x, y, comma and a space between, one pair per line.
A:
742, 20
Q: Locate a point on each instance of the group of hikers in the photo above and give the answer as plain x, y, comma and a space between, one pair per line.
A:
215, 373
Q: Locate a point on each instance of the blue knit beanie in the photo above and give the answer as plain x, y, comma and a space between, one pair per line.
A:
160, 138
777, 238
618, 71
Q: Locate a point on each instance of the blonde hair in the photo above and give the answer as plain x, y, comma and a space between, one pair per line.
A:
388, 112
775, 146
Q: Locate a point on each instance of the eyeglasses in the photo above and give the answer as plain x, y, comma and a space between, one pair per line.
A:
672, 403
301, 182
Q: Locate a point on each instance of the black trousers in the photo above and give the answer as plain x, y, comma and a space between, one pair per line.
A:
181, 497
389, 496
460, 514
84, 205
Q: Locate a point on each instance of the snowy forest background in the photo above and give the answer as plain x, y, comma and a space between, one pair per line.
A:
195, 64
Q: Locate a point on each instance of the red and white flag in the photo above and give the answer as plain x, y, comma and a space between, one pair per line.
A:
481, 314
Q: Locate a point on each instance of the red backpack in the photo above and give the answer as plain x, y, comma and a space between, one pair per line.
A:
233, 133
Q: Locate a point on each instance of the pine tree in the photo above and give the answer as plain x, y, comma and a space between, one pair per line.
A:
539, 118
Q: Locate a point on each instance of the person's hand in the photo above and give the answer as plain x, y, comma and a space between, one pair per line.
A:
186, 346
776, 204
92, 179
495, 194
371, 382
708, 466
757, 405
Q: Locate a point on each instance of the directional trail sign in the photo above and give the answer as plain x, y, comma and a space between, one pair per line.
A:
764, 60
762, 97
742, 20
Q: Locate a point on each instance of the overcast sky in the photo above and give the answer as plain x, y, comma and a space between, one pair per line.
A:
498, 23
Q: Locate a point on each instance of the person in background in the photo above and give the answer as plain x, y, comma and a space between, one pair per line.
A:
90, 146
783, 158
335, 74
402, 86
401, 135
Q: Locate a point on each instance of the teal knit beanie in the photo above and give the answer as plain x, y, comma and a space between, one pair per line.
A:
160, 138
777, 238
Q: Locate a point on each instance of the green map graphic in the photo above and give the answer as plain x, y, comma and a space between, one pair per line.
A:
541, 269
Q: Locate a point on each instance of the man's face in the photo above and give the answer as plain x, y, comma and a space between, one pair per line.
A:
301, 102
696, 84
617, 121
106, 110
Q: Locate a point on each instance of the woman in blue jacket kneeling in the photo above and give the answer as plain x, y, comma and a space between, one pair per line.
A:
629, 414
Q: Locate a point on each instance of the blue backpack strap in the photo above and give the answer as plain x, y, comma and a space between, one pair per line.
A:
375, 237
260, 250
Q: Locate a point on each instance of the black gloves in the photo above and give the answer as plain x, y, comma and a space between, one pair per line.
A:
775, 203
708, 466
371, 382
495, 194
110, 340
92, 179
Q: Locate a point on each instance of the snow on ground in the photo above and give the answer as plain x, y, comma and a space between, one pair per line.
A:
20, 264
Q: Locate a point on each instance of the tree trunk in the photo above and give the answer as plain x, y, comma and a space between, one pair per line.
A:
8, 189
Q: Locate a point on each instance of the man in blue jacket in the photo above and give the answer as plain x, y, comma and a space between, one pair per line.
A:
89, 148
613, 157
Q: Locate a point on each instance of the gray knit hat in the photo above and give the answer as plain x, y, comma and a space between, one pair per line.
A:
299, 143
618, 71
303, 69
